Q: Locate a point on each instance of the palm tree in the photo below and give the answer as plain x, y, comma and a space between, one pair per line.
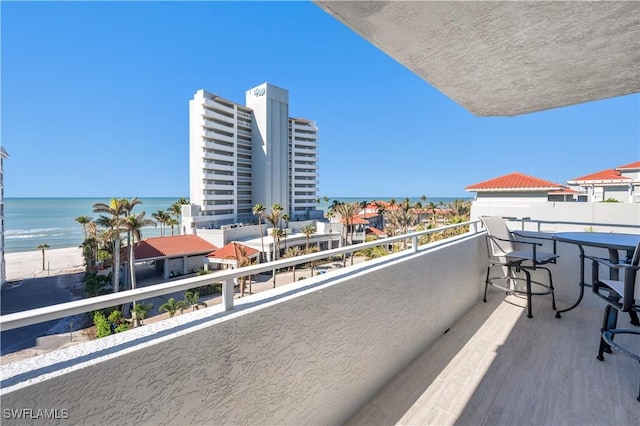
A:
402, 219
364, 204
258, 210
347, 211
84, 221
274, 219
406, 204
242, 260
381, 208
115, 208
192, 299
276, 233
308, 230
312, 263
43, 247
133, 224
172, 222
460, 208
330, 215
285, 219
176, 210
290, 253
96, 284
140, 312
128, 209
171, 306
161, 217
90, 244
433, 207
374, 252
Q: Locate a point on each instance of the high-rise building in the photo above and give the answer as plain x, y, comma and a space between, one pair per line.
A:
240, 156
3, 155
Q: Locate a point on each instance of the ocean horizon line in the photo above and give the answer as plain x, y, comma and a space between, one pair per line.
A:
178, 197
85, 198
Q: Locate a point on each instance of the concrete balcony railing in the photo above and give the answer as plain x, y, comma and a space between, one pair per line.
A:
312, 352
309, 352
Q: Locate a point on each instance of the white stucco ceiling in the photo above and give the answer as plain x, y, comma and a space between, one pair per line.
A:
509, 57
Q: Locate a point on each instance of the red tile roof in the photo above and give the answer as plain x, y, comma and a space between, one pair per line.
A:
357, 220
632, 166
374, 205
368, 215
230, 251
377, 232
514, 182
564, 190
178, 245
603, 175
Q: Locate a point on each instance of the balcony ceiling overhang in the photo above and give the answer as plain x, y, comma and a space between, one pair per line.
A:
507, 58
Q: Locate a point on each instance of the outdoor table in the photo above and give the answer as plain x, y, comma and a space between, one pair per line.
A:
610, 241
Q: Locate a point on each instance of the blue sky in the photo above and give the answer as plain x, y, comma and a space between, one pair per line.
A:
95, 103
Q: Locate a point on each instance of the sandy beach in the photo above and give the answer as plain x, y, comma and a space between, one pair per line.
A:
56, 261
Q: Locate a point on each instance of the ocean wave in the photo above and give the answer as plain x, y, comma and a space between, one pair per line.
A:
24, 237
13, 232
22, 234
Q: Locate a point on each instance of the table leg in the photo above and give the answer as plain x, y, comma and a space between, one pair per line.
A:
582, 284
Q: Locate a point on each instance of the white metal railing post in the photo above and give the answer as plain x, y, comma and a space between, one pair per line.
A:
227, 294
414, 243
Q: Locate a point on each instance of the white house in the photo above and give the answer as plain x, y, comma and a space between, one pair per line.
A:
621, 184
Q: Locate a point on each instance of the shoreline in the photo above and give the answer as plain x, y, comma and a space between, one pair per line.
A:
28, 264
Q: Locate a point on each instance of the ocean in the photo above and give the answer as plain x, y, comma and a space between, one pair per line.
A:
29, 222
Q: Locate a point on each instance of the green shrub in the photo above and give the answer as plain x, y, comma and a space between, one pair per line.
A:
122, 327
116, 317
207, 290
103, 327
611, 200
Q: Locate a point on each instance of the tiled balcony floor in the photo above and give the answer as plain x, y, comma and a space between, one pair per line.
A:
496, 366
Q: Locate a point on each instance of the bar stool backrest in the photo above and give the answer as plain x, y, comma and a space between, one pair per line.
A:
496, 227
631, 281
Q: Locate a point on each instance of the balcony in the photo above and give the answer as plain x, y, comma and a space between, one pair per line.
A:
400, 339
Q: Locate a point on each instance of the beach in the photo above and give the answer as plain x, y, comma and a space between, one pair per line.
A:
28, 264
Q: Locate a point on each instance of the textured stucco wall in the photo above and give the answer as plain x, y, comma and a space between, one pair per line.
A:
313, 358
614, 213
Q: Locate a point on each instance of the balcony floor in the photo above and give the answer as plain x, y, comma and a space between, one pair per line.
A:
496, 366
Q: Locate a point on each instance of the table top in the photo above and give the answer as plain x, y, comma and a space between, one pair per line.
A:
607, 240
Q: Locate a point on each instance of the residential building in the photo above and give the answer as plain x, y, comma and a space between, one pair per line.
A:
244, 155
174, 255
516, 188
3, 155
517, 195
303, 168
621, 184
